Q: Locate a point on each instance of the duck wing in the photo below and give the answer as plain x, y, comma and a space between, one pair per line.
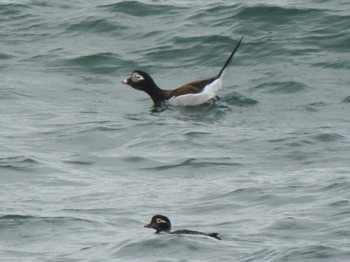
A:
191, 232
194, 87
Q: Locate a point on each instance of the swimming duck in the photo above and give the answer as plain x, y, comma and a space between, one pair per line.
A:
191, 94
162, 224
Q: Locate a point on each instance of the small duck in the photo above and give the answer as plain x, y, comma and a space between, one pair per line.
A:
162, 224
191, 94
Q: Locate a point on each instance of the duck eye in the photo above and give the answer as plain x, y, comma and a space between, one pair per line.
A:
136, 77
159, 221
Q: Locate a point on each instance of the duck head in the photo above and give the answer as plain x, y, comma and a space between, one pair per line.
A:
160, 224
140, 80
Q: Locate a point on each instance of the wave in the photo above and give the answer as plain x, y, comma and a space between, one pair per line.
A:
346, 100
193, 162
275, 13
236, 99
283, 87
5, 56
13, 220
312, 252
95, 25
12, 9
18, 162
140, 9
97, 63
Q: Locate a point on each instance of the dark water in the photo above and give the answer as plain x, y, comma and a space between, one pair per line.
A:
85, 163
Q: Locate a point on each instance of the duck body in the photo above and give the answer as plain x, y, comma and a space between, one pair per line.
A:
205, 92
191, 232
162, 224
191, 94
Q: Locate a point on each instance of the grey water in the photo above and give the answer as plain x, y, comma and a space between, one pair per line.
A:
85, 162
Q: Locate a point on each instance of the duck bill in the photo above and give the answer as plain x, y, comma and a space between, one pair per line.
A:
126, 81
148, 226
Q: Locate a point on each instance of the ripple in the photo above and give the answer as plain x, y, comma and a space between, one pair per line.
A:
81, 162
331, 137
139, 9
338, 64
218, 9
5, 56
339, 203
294, 224
346, 100
210, 40
286, 87
15, 217
93, 25
201, 246
337, 186
18, 162
12, 9
314, 107
99, 63
13, 220
195, 163
237, 99
273, 14
310, 252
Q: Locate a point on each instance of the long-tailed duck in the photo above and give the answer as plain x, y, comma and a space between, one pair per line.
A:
162, 224
191, 94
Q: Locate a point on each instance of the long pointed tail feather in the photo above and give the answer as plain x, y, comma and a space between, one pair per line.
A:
214, 235
230, 58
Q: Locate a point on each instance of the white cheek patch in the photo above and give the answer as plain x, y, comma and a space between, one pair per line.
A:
135, 77
159, 221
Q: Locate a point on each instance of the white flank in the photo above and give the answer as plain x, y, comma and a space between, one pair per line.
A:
208, 93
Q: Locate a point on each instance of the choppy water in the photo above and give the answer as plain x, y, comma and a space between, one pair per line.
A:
85, 163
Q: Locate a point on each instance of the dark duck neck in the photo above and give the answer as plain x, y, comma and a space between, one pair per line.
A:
157, 94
